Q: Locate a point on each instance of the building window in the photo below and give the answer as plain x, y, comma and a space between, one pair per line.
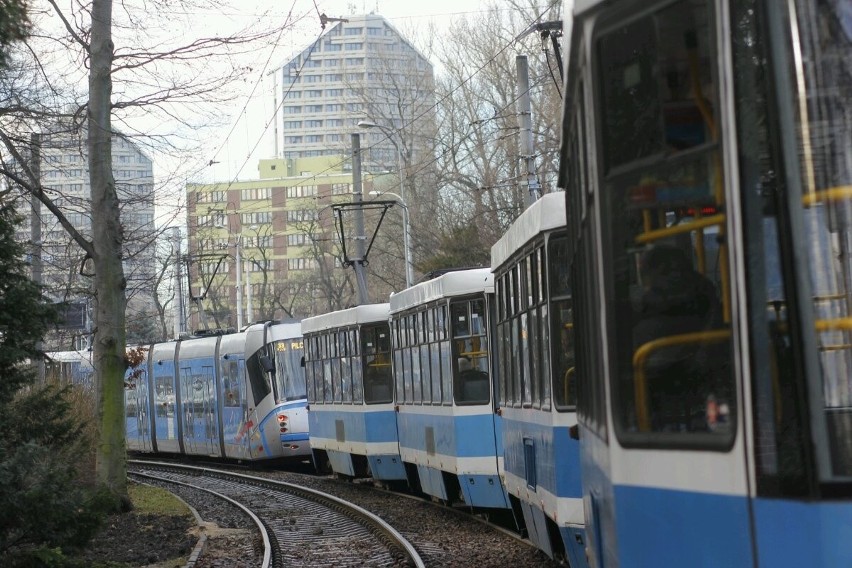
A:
313, 78
299, 239
334, 77
292, 110
353, 31
313, 124
313, 108
301, 191
332, 62
340, 188
334, 92
292, 139
256, 218
313, 138
292, 124
255, 194
354, 46
314, 94
297, 215
301, 263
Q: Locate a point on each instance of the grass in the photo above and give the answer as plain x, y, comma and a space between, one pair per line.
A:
155, 501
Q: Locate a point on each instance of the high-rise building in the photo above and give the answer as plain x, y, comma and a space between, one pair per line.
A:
64, 171
361, 69
360, 76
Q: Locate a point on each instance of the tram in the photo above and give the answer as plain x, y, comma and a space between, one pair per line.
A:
706, 156
536, 378
449, 433
350, 392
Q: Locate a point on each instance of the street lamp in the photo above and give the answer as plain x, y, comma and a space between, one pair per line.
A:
409, 267
406, 236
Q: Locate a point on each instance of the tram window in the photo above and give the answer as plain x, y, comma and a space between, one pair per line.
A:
416, 376
446, 354
260, 384
534, 357
231, 384
426, 374
789, 360
471, 349
378, 380
399, 377
563, 349
662, 195
544, 326
346, 386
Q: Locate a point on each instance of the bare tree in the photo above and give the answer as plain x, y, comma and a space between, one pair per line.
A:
477, 156
166, 80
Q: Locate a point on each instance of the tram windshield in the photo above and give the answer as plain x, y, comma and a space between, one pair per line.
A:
289, 369
664, 212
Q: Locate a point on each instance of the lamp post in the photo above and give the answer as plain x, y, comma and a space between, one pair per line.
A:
409, 267
406, 236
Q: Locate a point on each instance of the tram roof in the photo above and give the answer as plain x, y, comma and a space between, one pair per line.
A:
69, 356
367, 313
457, 283
545, 214
290, 330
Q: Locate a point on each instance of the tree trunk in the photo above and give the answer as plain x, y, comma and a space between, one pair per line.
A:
109, 337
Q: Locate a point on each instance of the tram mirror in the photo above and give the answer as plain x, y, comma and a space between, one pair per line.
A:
267, 364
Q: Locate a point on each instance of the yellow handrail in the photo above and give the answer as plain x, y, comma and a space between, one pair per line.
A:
640, 384
656, 234
835, 323
831, 194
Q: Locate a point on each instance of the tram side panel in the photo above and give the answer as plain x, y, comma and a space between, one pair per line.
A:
199, 397
234, 407
137, 409
164, 392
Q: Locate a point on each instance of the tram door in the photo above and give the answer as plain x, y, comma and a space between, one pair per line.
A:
137, 410
668, 486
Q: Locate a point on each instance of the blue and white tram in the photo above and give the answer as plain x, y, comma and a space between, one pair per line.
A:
350, 391
706, 152
215, 396
449, 433
537, 389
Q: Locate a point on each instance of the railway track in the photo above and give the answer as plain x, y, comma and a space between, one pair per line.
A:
296, 525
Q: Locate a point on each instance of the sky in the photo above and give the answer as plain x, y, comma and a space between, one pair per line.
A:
248, 137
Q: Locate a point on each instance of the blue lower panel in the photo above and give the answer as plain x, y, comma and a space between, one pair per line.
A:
387, 467
574, 540
677, 529
483, 491
432, 482
556, 466
803, 534
341, 463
